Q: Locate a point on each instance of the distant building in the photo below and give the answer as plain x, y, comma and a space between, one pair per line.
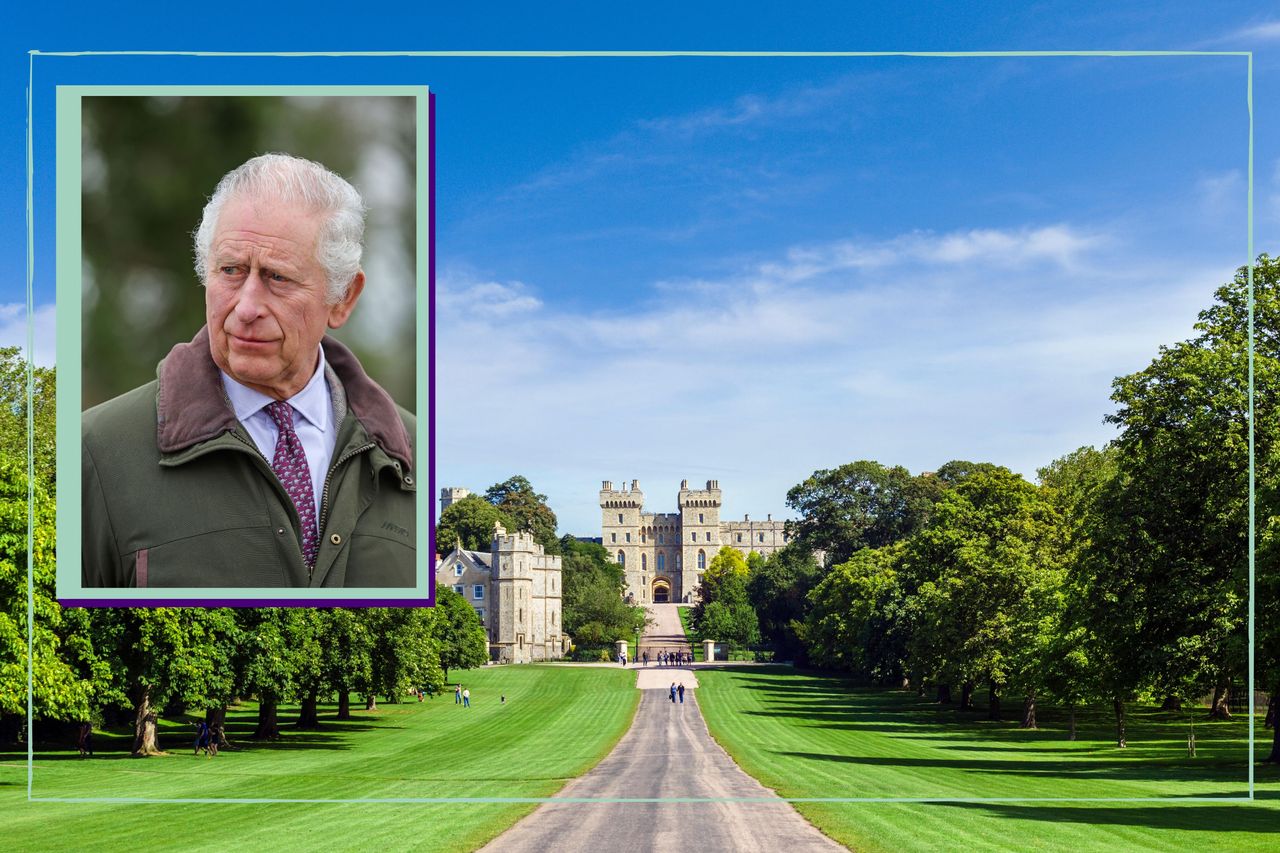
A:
515, 588
663, 555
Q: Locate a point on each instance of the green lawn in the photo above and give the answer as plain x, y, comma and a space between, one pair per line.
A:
809, 736
558, 722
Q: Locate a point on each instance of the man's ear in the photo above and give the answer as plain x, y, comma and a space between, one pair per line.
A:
339, 312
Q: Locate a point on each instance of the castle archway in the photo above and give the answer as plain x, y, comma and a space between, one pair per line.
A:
661, 590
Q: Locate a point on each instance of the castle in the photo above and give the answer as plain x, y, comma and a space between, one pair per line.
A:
514, 587
663, 555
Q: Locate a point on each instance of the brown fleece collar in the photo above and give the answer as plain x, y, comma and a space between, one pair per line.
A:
191, 406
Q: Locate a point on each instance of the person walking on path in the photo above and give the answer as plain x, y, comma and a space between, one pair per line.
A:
457, 695
673, 693
85, 740
466, 697
645, 657
681, 691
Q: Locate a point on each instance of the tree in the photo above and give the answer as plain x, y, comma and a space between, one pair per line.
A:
594, 613
729, 618
162, 656
987, 573
778, 588
13, 413
405, 654
527, 509
856, 621
470, 521
1171, 556
859, 505
728, 562
272, 650
459, 632
346, 653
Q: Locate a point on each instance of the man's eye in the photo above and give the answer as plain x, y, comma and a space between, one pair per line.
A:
275, 276
229, 270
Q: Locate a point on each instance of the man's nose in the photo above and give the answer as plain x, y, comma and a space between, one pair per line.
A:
251, 298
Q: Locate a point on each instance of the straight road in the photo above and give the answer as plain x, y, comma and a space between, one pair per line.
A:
666, 753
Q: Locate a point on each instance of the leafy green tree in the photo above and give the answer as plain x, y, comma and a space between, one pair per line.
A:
992, 563
856, 622
162, 656
595, 614
65, 668
459, 632
470, 521
778, 587
527, 509
729, 618
346, 654
1170, 559
405, 655
273, 648
859, 505
13, 414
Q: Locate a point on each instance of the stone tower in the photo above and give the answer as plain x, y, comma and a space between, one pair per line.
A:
620, 529
512, 591
450, 495
699, 532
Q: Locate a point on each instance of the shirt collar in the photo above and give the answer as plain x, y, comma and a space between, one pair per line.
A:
312, 402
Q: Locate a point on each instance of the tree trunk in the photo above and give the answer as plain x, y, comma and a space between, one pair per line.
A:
1072, 734
1274, 757
993, 701
308, 715
944, 694
1029, 711
1120, 738
966, 696
1219, 709
145, 741
1171, 703
268, 725
371, 702
344, 704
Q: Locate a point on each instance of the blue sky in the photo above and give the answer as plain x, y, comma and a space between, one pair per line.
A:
748, 269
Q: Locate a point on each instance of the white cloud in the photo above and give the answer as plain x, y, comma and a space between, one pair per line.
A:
992, 344
1266, 31
13, 330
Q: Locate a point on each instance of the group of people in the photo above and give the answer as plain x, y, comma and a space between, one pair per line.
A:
666, 658
677, 690
207, 738
462, 696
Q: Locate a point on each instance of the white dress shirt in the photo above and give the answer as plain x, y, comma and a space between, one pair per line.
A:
312, 421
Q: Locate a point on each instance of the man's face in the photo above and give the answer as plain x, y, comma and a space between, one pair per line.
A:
265, 295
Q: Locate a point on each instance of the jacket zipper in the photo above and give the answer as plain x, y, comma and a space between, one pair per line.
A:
324, 496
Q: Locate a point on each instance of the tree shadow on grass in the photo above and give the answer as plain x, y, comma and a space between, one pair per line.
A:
1175, 816
1114, 770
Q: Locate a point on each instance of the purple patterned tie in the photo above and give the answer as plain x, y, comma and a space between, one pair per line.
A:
290, 465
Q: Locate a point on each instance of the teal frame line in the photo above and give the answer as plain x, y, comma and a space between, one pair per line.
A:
68, 109
1250, 797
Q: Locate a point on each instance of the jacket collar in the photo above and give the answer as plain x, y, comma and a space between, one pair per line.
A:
192, 407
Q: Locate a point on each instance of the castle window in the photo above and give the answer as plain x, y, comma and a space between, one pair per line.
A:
700, 521
739, 537
693, 536
662, 562
457, 588
622, 559
619, 518
661, 539
761, 537
477, 592
457, 570
480, 613
702, 559
628, 537
644, 562
613, 537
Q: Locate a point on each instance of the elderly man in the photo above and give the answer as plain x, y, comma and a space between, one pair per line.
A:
262, 455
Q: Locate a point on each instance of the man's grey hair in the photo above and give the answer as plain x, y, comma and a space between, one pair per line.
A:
283, 178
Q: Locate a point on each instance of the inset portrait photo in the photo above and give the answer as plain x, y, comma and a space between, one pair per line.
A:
244, 322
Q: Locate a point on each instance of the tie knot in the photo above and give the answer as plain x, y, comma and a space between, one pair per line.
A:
282, 413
